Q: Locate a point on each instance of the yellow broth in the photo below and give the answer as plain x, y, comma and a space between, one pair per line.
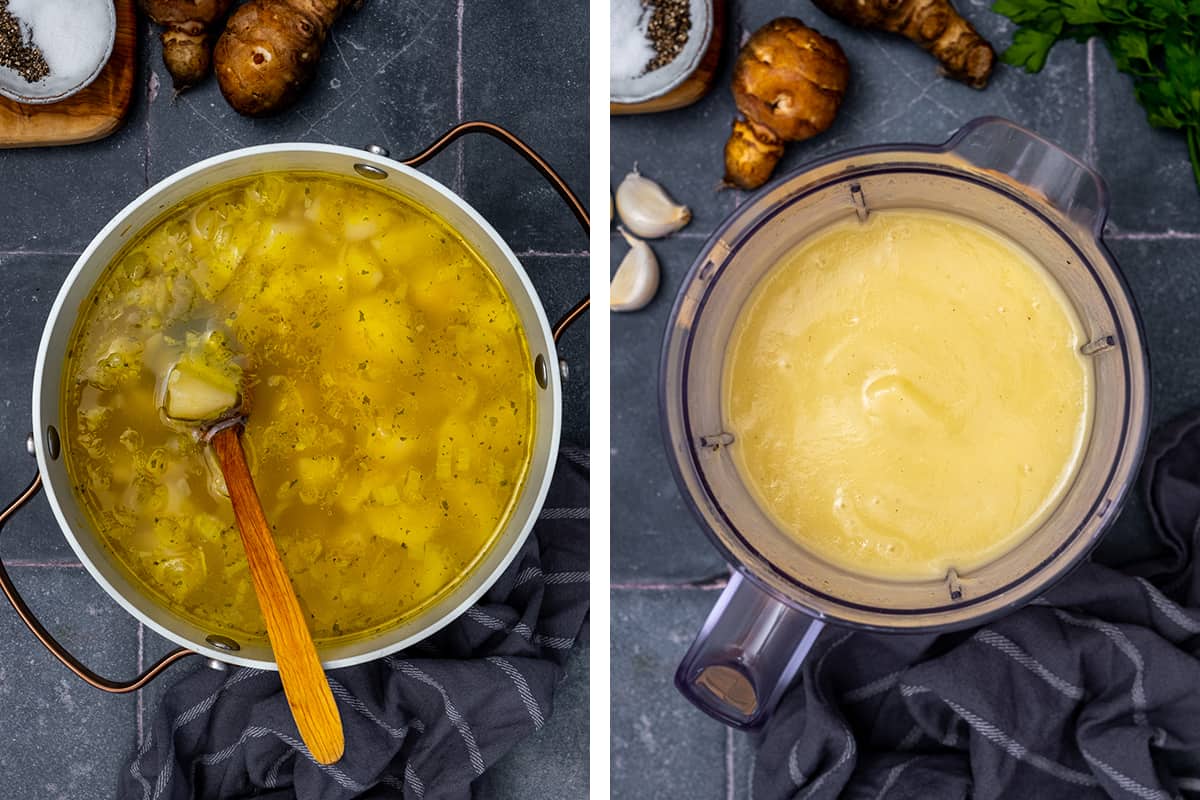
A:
390, 389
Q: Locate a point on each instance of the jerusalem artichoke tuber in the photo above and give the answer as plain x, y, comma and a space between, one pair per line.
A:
788, 82
933, 24
186, 40
270, 49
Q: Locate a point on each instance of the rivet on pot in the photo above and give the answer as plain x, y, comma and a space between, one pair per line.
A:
377, 150
29, 445
219, 666
369, 171
53, 445
564, 369
541, 372
222, 642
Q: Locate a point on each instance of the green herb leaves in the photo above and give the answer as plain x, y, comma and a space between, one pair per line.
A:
1156, 42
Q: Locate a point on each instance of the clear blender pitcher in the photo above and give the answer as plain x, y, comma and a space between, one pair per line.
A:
780, 595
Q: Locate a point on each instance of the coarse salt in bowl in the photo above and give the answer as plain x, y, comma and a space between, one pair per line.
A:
75, 37
631, 86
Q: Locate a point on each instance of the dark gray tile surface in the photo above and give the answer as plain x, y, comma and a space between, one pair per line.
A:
548, 50
661, 745
387, 77
390, 75
658, 552
1147, 170
653, 538
553, 763
59, 738
27, 289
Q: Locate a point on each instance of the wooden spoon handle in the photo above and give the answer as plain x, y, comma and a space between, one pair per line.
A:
304, 681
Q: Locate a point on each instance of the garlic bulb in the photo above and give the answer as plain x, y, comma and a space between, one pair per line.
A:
647, 210
636, 281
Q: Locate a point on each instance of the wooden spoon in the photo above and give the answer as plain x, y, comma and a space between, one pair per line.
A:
304, 682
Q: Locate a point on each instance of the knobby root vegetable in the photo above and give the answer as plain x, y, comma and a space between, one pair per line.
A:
187, 35
788, 83
933, 24
270, 49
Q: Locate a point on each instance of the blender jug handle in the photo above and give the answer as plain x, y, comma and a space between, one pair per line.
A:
1070, 186
748, 651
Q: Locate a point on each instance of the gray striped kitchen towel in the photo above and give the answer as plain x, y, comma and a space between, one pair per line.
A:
421, 724
1091, 692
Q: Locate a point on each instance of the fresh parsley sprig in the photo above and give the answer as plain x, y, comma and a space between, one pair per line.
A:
1157, 42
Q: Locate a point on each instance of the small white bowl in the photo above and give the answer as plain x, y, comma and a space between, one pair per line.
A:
50, 89
650, 85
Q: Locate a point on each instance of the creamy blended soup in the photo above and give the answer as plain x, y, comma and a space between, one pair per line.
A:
907, 394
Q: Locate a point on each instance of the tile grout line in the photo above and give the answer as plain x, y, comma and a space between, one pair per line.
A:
552, 254
151, 94
1163, 236
711, 585
729, 779
616, 235
141, 660
74, 253
458, 101
1091, 104
28, 563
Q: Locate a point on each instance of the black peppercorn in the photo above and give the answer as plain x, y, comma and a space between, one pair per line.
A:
670, 22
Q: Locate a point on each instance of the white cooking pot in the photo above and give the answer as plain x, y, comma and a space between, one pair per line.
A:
373, 166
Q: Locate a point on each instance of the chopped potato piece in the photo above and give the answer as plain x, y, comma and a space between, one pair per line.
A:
195, 394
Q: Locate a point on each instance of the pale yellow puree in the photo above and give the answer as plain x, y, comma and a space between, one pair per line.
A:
907, 394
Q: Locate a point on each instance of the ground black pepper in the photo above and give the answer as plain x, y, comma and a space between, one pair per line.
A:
16, 53
670, 22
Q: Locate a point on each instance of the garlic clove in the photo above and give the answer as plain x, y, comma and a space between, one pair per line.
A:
646, 208
636, 281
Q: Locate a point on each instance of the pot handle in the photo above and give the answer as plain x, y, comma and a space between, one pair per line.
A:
57, 650
749, 650
529, 154
1066, 183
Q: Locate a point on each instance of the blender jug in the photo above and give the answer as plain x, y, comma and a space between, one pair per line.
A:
780, 595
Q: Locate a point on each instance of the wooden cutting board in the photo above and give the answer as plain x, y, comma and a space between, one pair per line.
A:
93, 113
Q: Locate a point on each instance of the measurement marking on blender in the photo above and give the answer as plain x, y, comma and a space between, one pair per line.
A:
953, 585
716, 441
718, 254
860, 202
1099, 345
